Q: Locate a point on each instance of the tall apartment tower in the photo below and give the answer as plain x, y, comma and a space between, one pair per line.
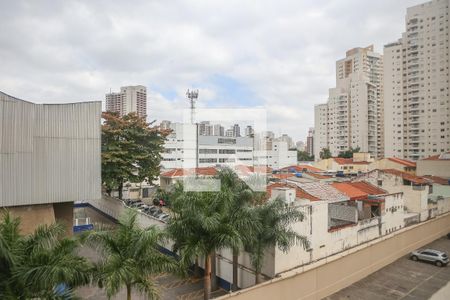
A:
353, 115
129, 99
416, 82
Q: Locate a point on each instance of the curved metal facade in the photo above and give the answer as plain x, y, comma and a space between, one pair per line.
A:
49, 153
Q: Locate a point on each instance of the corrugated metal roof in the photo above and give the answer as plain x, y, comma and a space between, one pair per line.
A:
49, 153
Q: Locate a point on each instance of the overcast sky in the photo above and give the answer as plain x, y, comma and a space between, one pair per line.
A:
278, 55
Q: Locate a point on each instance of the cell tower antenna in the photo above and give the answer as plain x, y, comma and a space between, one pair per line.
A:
192, 96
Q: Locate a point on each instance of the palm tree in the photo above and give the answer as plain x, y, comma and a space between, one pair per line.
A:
38, 265
274, 219
199, 227
240, 214
130, 256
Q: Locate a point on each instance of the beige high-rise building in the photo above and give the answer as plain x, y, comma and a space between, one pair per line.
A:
129, 99
416, 81
353, 115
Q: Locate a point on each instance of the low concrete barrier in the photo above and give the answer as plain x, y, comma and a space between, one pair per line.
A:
331, 274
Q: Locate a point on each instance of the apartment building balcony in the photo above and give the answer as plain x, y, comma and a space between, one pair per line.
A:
413, 86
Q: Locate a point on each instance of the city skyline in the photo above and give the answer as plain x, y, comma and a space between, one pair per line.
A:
283, 68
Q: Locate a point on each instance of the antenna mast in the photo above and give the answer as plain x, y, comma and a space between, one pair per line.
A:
192, 96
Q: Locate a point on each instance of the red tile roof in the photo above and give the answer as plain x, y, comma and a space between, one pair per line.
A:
368, 188
180, 172
301, 168
299, 193
406, 176
252, 169
358, 190
402, 161
438, 180
349, 161
349, 190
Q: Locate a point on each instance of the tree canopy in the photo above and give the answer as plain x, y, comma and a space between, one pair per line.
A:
304, 156
349, 153
131, 150
325, 153
42, 265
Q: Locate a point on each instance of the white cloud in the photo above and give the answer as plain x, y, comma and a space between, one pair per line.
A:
283, 52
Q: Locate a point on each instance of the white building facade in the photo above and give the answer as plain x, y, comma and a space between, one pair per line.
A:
353, 115
181, 149
417, 101
129, 99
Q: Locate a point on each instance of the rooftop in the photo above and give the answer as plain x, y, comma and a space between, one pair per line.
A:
299, 193
180, 172
438, 180
406, 176
322, 191
349, 161
402, 161
358, 190
301, 168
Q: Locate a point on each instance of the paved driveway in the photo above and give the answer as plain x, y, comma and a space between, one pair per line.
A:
403, 279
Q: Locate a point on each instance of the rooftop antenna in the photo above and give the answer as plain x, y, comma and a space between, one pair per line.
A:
192, 96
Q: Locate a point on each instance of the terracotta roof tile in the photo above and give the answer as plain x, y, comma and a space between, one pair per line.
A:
349, 161
349, 190
406, 176
299, 193
180, 172
368, 188
402, 161
438, 180
252, 169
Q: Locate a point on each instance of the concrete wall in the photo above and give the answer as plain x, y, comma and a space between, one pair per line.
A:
64, 214
329, 275
31, 216
434, 167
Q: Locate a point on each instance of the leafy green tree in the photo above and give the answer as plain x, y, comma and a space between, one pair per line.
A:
325, 153
348, 153
130, 256
200, 226
130, 150
33, 266
274, 219
304, 156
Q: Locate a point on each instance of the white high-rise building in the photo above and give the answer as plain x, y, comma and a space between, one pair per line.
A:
416, 82
129, 99
353, 115
286, 138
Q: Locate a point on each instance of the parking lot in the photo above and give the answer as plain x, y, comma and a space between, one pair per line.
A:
403, 279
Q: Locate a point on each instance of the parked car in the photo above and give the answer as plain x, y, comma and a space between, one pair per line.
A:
143, 207
437, 257
157, 213
165, 218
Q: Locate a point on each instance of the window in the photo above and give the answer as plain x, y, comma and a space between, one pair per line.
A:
207, 160
226, 141
227, 151
226, 160
207, 151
